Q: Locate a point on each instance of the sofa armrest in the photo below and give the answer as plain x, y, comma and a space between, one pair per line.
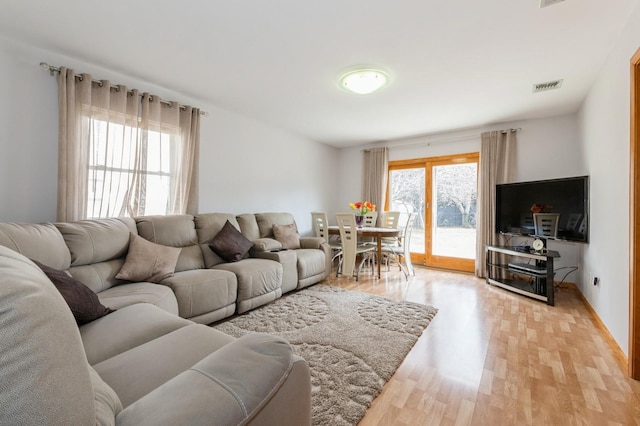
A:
311, 243
230, 386
265, 244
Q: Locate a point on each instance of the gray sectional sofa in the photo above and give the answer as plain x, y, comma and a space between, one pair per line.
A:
152, 361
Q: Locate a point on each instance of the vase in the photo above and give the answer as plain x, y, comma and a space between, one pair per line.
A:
359, 221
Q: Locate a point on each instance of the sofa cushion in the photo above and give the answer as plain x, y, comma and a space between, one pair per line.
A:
143, 322
258, 279
207, 227
202, 291
128, 294
248, 226
45, 375
147, 261
98, 248
287, 236
136, 372
97, 240
175, 231
84, 303
42, 242
98, 276
311, 263
267, 220
226, 388
230, 244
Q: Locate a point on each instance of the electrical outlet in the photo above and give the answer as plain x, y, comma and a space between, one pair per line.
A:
595, 280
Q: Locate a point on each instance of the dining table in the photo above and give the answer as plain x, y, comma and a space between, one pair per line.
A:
371, 232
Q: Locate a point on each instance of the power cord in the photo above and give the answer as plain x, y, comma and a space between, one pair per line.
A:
572, 269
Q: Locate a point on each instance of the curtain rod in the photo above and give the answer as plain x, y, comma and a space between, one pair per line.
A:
46, 67
444, 140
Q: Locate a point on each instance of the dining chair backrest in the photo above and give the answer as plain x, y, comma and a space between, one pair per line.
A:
370, 219
349, 240
406, 232
406, 243
546, 224
389, 219
320, 225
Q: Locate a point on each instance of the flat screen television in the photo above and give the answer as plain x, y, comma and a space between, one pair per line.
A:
565, 201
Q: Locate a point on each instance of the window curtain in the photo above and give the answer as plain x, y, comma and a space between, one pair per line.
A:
375, 163
497, 165
122, 154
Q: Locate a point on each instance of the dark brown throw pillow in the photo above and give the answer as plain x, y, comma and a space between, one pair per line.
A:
83, 302
230, 244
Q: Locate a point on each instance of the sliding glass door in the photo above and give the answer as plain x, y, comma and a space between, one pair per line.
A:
442, 191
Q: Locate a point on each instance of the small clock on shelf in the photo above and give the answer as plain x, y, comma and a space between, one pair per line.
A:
538, 244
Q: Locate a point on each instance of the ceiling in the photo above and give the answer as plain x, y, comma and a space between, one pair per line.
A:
453, 64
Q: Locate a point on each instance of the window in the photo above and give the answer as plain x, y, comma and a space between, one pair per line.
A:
125, 161
122, 153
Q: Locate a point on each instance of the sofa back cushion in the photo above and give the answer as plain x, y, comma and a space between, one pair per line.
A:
267, 220
42, 242
44, 370
207, 227
174, 231
98, 248
249, 226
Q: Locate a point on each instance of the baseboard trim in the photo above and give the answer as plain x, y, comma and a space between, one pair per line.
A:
621, 358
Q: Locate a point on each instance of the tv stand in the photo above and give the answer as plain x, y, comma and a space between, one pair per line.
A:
522, 271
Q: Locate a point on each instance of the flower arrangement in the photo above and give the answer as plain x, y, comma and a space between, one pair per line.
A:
362, 208
540, 208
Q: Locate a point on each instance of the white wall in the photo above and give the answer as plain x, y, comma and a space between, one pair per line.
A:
604, 127
546, 149
245, 165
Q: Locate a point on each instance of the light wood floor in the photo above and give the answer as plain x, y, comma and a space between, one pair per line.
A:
492, 357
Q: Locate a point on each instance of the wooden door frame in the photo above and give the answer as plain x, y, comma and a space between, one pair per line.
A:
417, 258
634, 225
466, 265
457, 264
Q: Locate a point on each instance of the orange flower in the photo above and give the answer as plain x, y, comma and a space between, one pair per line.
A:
540, 208
362, 208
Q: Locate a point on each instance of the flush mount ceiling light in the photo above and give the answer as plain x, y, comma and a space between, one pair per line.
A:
364, 81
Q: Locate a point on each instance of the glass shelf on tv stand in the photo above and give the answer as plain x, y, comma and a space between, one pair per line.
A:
511, 268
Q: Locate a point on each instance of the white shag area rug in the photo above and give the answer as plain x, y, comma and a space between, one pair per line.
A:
353, 342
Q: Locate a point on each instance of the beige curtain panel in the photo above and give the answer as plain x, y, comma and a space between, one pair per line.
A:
122, 154
375, 163
497, 165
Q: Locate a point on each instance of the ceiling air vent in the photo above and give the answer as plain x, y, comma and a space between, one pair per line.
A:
549, 85
545, 3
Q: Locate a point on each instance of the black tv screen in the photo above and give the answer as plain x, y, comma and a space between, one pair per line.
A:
561, 208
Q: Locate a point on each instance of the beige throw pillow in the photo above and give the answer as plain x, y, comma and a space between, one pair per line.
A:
287, 236
147, 261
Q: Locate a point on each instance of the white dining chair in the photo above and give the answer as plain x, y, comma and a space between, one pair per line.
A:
350, 247
370, 219
389, 219
321, 229
400, 253
546, 224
